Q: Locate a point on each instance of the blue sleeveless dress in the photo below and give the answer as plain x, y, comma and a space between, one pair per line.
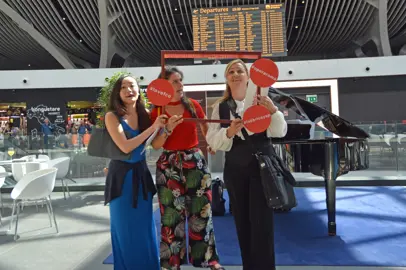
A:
133, 231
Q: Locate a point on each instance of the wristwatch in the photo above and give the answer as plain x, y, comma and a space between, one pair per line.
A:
167, 132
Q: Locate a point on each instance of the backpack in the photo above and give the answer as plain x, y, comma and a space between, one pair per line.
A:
218, 201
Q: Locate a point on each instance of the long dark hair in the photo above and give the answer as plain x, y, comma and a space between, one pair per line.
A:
168, 71
117, 106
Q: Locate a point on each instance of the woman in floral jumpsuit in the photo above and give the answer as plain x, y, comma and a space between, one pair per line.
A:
184, 184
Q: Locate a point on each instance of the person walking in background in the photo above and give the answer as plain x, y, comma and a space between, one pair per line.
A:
83, 128
46, 129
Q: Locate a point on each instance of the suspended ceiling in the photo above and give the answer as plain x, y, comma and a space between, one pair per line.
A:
53, 34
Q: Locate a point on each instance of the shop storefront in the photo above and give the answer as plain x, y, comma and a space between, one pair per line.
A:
81, 118
13, 125
13, 118
40, 117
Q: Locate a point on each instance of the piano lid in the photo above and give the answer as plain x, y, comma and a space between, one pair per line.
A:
314, 113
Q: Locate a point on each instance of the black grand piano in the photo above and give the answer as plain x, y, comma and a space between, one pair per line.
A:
345, 150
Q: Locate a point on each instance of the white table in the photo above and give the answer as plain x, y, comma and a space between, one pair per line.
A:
9, 162
19, 168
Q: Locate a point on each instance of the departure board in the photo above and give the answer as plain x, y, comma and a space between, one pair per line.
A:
241, 28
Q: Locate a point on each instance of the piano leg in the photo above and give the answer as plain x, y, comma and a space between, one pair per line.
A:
330, 181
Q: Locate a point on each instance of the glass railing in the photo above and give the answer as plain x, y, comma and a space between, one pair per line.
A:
387, 157
83, 169
387, 144
387, 154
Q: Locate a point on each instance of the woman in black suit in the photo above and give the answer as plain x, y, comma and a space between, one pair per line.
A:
253, 218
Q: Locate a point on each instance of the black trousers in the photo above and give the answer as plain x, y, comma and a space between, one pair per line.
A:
253, 219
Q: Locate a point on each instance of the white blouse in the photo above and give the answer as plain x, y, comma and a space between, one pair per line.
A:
217, 136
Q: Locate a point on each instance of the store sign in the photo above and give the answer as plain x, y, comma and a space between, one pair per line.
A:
37, 113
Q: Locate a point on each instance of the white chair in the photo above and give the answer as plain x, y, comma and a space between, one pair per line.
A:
19, 169
62, 164
27, 157
43, 157
34, 186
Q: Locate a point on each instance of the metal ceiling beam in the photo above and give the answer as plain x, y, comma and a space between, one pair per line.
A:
378, 32
403, 50
79, 61
107, 37
359, 53
133, 61
56, 52
374, 3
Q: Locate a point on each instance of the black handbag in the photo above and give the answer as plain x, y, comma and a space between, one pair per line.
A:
273, 183
102, 145
273, 173
273, 176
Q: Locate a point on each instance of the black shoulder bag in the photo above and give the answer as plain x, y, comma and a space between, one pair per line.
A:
102, 145
273, 174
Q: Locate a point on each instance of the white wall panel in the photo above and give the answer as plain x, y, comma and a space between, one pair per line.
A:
203, 74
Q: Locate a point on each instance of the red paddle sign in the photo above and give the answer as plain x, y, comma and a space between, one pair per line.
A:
264, 72
160, 92
256, 118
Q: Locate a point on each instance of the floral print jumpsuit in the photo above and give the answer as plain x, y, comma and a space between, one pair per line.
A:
184, 191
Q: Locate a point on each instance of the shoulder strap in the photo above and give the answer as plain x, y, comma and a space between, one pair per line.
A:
231, 104
190, 106
224, 113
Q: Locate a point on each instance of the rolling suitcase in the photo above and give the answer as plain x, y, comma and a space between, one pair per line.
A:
218, 202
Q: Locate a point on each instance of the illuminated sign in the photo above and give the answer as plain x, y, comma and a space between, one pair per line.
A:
243, 28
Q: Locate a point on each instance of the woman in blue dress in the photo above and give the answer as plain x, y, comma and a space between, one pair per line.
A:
129, 184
